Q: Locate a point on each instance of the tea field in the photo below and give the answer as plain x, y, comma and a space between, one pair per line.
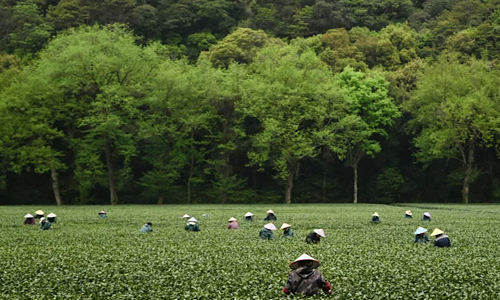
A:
87, 258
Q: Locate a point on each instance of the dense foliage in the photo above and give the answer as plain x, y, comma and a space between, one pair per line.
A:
84, 257
180, 101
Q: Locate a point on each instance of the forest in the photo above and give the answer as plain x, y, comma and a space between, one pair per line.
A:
218, 101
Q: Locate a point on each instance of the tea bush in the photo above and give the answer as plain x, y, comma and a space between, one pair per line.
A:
87, 258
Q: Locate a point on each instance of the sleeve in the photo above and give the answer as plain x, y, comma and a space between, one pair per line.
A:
288, 286
326, 286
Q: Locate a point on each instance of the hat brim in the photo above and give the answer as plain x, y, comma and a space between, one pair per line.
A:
295, 264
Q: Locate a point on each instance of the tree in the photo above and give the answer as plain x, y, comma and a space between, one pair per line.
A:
106, 73
456, 110
369, 111
288, 92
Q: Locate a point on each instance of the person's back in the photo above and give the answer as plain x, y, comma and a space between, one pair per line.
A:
421, 239
44, 224
192, 227
288, 233
442, 240
233, 225
147, 228
249, 219
271, 217
266, 234
312, 237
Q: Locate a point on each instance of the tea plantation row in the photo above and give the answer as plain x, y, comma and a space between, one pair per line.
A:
87, 258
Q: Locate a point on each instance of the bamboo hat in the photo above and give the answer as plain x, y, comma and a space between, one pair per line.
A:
186, 216
427, 214
285, 226
304, 257
193, 219
321, 232
39, 212
270, 226
375, 214
232, 219
270, 211
437, 231
420, 230
28, 216
102, 212
408, 212
248, 214
51, 215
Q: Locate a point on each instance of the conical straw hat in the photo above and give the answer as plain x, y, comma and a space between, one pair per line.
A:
270, 211
270, 226
232, 219
321, 232
420, 230
248, 214
51, 215
285, 226
28, 216
437, 231
408, 212
304, 257
376, 214
193, 220
102, 212
427, 214
39, 212
186, 216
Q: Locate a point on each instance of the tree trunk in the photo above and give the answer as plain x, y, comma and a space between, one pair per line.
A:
191, 170
468, 170
55, 185
289, 187
160, 200
111, 172
224, 197
355, 167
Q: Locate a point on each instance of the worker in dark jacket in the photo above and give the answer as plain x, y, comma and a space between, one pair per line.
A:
442, 240
249, 216
192, 225
305, 279
52, 218
44, 224
375, 218
148, 227
315, 236
420, 236
30, 220
102, 214
408, 214
426, 216
271, 216
267, 232
287, 230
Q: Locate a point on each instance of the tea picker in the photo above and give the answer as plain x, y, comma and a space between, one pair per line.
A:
30, 220
148, 227
233, 223
375, 218
315, 236
248, 216
287, 230
266, 233
442, 240
271, 216
420, 236
305, 279
44, 224
192, 225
